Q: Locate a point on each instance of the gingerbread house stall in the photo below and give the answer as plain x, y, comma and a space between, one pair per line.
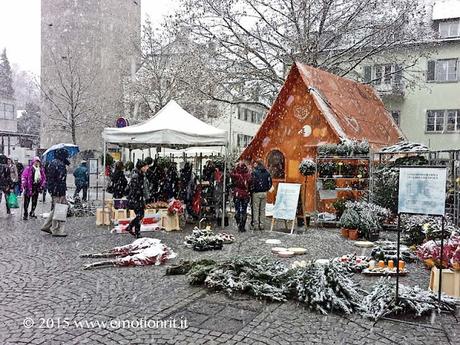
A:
313, 108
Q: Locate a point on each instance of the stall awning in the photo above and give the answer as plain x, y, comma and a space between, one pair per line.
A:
172, 126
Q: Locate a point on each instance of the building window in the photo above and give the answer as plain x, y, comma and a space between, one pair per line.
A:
442, 70
450, 28
276, 164
396, 114
243, 140
383, 74
453, 121
435, 121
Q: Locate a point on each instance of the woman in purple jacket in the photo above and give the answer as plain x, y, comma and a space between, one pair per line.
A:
33, 182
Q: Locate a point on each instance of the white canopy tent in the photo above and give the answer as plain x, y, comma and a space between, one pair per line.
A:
171, 127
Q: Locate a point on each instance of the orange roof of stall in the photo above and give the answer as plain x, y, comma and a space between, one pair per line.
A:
352, 110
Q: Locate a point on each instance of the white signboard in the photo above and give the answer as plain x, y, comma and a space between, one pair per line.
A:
93, 166
422, 190
287, 198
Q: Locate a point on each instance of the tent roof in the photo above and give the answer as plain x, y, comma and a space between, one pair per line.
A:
353, 110
172, 126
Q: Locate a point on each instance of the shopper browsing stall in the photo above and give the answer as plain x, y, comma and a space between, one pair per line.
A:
118, 181
136, 199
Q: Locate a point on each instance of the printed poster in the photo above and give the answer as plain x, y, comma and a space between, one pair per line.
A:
422, 190
287, 198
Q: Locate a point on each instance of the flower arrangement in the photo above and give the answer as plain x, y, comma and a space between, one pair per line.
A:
175, 207
430, 253
307, 167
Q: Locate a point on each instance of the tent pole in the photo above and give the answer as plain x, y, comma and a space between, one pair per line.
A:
104, 160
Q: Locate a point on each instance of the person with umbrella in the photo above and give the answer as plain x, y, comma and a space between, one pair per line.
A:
33, 182
81, 175
136, 198
5, 181
57, 186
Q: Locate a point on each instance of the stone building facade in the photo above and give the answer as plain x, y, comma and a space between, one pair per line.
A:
87, 48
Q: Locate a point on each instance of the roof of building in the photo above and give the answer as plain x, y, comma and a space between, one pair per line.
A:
352, 109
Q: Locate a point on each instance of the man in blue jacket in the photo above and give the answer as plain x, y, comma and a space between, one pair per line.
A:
261, 184
81, 175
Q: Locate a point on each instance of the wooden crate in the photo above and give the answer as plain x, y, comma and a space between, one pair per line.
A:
103, 218
170, 222
119, 214
450, 281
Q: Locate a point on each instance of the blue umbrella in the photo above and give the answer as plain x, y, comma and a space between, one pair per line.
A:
70, 148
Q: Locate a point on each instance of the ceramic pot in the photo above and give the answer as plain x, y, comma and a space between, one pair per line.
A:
353, 234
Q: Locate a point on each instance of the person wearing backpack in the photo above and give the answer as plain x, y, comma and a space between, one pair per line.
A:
5, 181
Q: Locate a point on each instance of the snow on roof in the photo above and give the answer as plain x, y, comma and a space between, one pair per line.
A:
446, 9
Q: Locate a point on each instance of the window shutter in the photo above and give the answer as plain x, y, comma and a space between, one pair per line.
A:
430, 71
367, 74
398, 74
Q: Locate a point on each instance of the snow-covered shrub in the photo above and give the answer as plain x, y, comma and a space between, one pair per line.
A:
307, 167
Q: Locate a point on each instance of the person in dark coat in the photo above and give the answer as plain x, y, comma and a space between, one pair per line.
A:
118, 181
81, 175
5, 181
33, 180
57, 187
150, 183
241, 178
261, 184
136, 197
20, 168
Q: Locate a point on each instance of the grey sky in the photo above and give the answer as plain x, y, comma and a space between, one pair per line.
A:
20, 28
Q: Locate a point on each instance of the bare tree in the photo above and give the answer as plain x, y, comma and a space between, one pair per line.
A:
171, 66
256, 41
68, 94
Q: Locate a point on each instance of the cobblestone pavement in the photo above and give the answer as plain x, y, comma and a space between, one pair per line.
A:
41, 279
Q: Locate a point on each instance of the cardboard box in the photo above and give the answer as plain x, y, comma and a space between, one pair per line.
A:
450, 281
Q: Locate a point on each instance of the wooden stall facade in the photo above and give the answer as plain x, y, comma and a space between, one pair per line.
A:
315, 107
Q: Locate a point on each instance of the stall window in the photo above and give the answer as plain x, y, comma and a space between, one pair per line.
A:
276, 164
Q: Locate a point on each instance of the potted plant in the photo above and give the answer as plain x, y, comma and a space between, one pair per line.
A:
339, 206
327, 190
349, 223
307, 167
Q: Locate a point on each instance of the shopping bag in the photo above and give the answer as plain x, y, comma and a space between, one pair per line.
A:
12, 201
60, 212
